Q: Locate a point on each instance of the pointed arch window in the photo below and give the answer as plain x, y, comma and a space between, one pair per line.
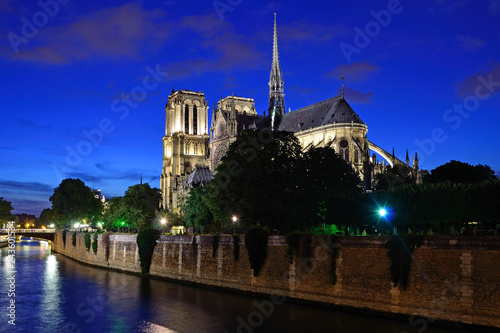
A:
186, 119
195, 120
344, 150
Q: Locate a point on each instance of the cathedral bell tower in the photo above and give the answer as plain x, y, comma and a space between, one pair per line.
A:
185, 143
276, 84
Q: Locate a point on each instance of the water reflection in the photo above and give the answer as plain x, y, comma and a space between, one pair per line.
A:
57, 294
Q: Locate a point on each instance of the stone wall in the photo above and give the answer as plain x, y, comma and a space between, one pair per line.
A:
452, 278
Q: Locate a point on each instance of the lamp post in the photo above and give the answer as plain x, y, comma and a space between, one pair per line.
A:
235, 218
163, 221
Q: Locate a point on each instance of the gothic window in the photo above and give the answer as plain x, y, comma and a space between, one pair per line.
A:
220, 130
356, 156
195, 120
344, 150
186, 119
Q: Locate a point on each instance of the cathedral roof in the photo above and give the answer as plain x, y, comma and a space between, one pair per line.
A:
200, 176
256, 122
331, 111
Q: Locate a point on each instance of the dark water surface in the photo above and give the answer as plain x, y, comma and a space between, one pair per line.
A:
57, 294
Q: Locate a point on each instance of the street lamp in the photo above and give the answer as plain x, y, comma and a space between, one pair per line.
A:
235, 218
163, 221
382, 212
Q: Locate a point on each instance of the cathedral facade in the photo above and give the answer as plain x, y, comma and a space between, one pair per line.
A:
330, 123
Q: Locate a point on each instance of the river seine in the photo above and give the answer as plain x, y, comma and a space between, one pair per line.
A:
56, 294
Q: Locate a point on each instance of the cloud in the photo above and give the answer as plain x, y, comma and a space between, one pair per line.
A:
301, 90
469, 85
30, 123
354, 72
355, 96
126, 31
469, 43
11, 185
29, 206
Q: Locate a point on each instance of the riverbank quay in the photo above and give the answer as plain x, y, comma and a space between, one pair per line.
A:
452, 278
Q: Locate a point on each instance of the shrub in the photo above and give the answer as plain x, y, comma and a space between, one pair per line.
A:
236, 247
73, 239
94, 243
87, 241
256, 244
399, 250
215, 245
146, 241
64, 237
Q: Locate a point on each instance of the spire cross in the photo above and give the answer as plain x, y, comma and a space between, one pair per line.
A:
342, 78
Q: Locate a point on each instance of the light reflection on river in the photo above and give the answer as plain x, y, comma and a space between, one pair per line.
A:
56, 294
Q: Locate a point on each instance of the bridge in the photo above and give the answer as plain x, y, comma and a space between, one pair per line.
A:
47, 234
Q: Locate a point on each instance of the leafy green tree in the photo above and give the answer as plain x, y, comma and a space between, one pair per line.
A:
72, 201
5, 209
115, 216
141, 204
255, 181
195, 209
460, 172
327, 187
46, 217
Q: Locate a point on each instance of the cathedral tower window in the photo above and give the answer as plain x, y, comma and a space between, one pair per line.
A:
195, 120
344, 150
186, 119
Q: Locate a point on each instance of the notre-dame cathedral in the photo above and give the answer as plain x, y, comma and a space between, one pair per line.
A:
191, 153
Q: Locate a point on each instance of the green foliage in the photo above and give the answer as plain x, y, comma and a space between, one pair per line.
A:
292, 240
73, 201
87, 241
73, 239
397, 176
263, 168
94, 243
5, 210
256, 244
325, 229
215, 245
146, 241
459, 172
46, 217
64, 237
399, 250
236, 247
195, 208
137, 209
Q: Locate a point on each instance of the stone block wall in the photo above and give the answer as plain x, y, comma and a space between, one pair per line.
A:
451, 278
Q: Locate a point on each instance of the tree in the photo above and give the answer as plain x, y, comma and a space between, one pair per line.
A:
460, 172
46, 217
114, 216
5, 209
140, 205
72, 202
328, 187
255, 181
396, 176
195, 209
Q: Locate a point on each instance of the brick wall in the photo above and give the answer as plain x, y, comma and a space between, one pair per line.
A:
452, 278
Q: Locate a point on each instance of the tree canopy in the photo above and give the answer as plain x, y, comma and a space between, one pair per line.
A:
72, 202
396, 176
266, 180
5, 210
460, 172
137, 209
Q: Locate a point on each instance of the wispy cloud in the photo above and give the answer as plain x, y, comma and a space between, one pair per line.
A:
354, 72
30, 123
355, 96
469, 85
10, 185
469, 43
115, 32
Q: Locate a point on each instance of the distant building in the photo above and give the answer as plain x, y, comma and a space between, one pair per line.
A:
24, 220
330, 123
98, 195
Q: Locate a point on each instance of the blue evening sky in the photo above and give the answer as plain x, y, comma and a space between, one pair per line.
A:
84, 83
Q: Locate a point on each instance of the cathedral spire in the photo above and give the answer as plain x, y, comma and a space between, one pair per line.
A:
276, 91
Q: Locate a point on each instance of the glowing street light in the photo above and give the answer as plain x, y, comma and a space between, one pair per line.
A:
382, 212
235, 218
163, 221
